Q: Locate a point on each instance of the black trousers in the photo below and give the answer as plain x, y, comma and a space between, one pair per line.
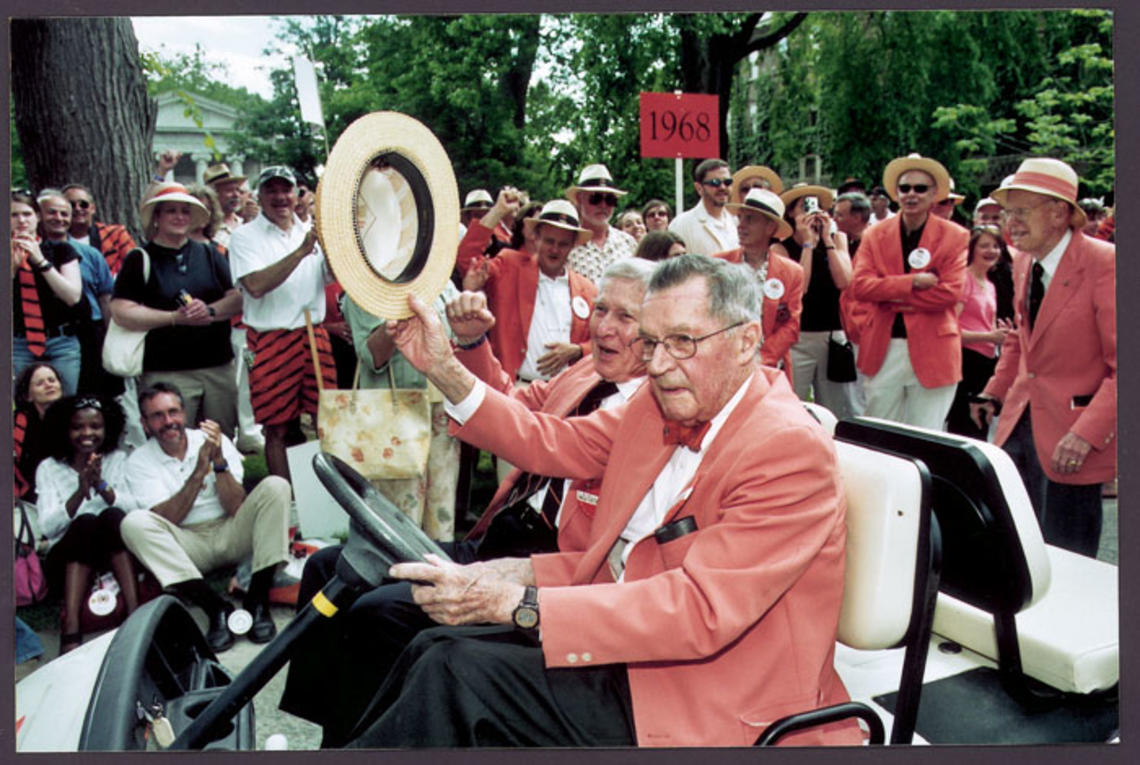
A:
488, 686
90, 539
1070, 514
976, 372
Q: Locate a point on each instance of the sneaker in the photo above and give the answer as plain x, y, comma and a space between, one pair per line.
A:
263, 629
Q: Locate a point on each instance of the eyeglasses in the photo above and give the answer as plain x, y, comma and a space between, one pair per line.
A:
716, 183
680, 347
1021, 213
82, 204
603, 199
917, 188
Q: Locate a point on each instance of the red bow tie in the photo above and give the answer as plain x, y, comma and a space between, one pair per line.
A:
675, 433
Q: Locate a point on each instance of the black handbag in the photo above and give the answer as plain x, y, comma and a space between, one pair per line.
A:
840, 360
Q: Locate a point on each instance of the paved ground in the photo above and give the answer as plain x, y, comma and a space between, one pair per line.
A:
302, 735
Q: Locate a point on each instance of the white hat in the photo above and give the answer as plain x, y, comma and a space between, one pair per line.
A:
766, 203
477, 199
561, 214
173, 192
593, 178
1050, 177
985, 202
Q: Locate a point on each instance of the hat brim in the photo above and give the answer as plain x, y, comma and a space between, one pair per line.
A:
932, 167
756, 171
783, 228
826, 197
572, 191
1077, 218
408, 205
228, 179
199, 215
583, 235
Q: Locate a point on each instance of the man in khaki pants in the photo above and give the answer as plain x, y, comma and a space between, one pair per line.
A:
195, 516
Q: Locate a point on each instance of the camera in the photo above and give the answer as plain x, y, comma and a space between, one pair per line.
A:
811, 205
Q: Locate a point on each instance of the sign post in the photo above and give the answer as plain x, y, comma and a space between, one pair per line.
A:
679, 125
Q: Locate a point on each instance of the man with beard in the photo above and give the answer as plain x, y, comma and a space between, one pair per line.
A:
596, 197
228, 188
708, 227
194, 516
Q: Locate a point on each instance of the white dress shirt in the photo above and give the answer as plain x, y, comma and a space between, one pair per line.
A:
550, 322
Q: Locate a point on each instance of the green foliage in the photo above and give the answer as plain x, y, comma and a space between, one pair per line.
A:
17, 171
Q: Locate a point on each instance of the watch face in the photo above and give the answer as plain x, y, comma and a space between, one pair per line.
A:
526, 617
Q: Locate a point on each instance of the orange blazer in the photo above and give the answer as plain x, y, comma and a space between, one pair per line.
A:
511, 289
780, 318
559, 396
724, 629
931, 323
1068, 356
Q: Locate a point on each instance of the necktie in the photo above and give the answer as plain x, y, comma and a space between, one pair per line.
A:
19, 429
1036, 292
529, 483
33, 313
682, 435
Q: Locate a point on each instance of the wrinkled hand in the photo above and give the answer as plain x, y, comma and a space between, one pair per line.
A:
421, 338
924, 280
557, 356
477, 276
1069, 454
196, 314
469, 316
982, 413
453, 594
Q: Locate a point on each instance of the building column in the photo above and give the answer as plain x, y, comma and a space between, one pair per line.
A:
201, 161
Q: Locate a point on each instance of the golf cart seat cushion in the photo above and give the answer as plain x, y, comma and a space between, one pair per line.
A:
824, 415
1069, 639
884, 498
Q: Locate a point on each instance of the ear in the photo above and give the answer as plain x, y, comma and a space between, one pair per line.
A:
751, 337
697, 188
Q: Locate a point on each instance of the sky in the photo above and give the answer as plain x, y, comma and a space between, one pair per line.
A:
237, 41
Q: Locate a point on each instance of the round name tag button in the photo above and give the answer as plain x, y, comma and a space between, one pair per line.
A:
239, 621
580, 307
101, 602
919, 257
773, 289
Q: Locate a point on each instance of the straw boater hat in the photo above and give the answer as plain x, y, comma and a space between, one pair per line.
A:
559, 213
386, 212
825, 195
173, 192
766, 203
1050, 177
775, 185
593, 178
477, 199
931, 167
956, 198
220, 173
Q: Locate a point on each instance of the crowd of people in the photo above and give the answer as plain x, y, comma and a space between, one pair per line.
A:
568, 342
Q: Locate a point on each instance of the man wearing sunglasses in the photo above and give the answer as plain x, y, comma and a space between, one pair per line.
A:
706, 600
709, 228
111, 239
596, 197
910, 272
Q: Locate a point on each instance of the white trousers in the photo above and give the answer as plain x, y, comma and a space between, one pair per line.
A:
894, 393
247, 427
809, 374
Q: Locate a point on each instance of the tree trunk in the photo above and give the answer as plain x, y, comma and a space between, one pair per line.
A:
82, 111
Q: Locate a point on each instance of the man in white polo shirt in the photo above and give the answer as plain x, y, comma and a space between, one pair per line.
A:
282, 273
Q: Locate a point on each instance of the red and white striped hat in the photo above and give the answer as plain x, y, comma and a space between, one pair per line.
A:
173, 192
1042, 175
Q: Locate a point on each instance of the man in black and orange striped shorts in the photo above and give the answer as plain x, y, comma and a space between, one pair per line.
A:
282, 272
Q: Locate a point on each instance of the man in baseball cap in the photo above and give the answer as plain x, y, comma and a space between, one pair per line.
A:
1056, 380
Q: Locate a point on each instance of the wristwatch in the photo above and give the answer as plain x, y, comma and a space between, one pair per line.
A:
525, 615
221, 466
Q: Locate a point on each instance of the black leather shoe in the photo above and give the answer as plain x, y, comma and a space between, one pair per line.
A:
263, 629
219, 638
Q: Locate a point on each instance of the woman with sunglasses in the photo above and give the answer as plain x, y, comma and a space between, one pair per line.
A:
82, 492
657, 213
184, 304
983, 331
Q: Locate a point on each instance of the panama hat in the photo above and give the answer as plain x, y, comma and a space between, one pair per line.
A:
477, 199
1050, 177
766, 203
825, 195
220, 173
593, 178
775, 185
386, 212
173, 192
914, 161
559, 213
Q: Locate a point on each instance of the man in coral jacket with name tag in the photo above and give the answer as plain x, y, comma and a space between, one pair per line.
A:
706, 602
910, 272
1056, 379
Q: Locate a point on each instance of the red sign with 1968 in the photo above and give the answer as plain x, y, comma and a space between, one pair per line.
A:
679, 125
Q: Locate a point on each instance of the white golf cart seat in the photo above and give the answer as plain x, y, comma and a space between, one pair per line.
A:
1036, 610
890, 579
823, 415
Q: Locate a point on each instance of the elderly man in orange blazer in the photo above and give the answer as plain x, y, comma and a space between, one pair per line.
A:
706, 602
541, 305
759, 220
333, 678
910, 271
1056, 379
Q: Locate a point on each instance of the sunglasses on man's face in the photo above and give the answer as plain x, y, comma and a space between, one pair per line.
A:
82, 204
917, 188
716, 183
603, 199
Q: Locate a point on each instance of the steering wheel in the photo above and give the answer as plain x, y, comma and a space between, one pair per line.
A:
394, 537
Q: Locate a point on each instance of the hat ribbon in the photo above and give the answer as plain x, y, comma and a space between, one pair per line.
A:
1044, 181
604, 182
558, 218
761, 207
